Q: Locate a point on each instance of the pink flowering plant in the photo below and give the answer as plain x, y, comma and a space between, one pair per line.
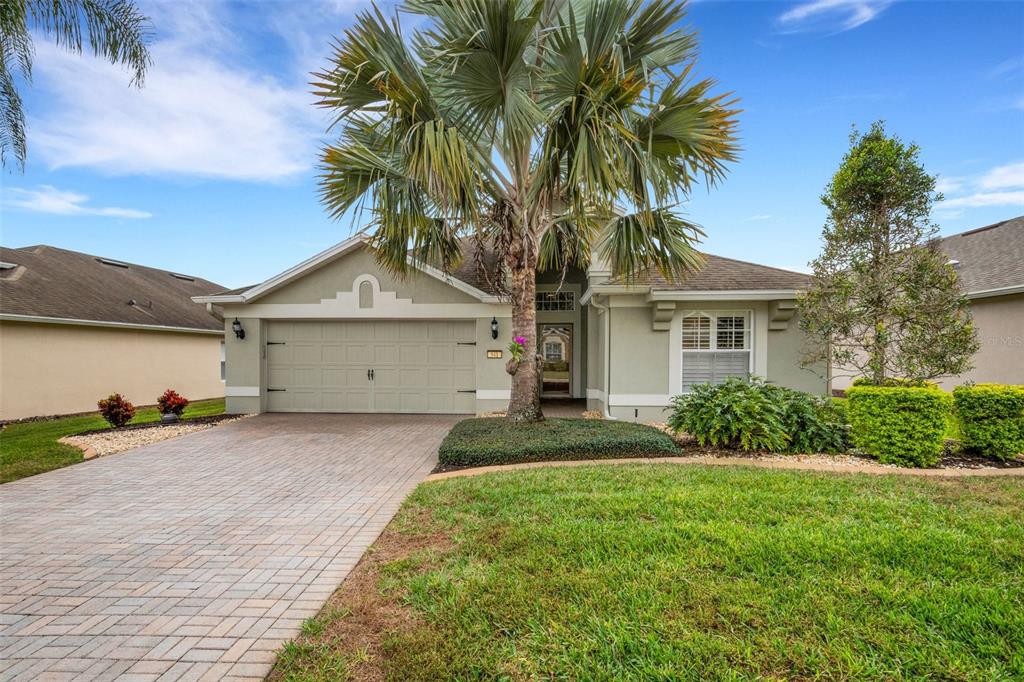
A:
517, 348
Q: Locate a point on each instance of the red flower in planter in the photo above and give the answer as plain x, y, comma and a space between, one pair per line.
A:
171, 403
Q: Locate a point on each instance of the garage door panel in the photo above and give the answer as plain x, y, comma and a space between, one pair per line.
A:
440, 355
412, 355
306, 352
385, 353
359, 354
334, 353
417, 366
307, 377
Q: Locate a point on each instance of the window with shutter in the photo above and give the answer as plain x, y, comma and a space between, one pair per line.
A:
714, 356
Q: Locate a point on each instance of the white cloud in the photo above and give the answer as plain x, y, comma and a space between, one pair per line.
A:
950, 184
204, 110
999, 186
757, 218
830, 15
49, 199
1003, 177
980, 199
1009, 68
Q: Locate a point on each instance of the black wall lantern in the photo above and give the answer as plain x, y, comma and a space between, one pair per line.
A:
236, 327
494, 327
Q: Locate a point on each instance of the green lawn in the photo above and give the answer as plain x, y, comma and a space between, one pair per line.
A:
30, 448
684, 573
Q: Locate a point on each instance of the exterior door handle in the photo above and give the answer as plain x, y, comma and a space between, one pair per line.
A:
373, 374
367, 375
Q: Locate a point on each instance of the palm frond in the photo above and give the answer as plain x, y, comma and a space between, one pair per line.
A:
113, 29
636, 242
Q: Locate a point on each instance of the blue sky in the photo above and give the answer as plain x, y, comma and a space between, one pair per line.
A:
210, 169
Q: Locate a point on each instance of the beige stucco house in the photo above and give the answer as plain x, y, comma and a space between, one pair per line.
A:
990, 267
75, 328
336, 333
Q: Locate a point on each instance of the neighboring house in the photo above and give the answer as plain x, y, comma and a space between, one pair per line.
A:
75, 328
338, 334
990, 266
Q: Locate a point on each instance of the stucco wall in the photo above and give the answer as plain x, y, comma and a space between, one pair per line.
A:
1000, 324
999, 321
785, 350
48, 369
338, 275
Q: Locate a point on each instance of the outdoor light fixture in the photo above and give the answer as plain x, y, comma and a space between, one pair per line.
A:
236, 327
494, 327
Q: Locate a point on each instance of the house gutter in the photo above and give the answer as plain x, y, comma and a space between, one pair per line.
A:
11, 317
1001, 291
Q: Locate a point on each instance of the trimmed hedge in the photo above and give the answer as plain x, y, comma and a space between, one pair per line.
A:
899, 425
484, 441
991, 418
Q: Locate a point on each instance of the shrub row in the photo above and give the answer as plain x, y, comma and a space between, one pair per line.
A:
899, 424
485, 441
907, 425
991, 419
755, 415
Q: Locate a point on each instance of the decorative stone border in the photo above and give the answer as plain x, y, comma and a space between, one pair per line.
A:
112, 441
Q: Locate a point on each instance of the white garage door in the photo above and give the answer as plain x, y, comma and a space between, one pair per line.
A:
371, 366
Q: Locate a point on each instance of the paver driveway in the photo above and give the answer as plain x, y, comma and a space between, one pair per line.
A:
196, 558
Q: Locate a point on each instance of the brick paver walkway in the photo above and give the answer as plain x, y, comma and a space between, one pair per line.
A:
197, 557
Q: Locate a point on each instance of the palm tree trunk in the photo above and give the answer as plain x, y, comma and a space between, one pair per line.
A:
524, 404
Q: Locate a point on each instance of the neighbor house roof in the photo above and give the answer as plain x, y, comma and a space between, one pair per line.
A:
722, 274
990, 260
56, 284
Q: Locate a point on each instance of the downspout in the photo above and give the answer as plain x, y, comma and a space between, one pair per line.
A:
606, 313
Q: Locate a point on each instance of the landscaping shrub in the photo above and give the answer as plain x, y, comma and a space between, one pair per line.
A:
483, 441
813, 423
116, 410
171, 402
991, 419
899, 424
754, 415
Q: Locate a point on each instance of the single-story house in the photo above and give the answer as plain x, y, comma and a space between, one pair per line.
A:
75, 328
336, 333
990, 266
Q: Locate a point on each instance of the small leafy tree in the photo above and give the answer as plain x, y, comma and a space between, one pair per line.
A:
884, 302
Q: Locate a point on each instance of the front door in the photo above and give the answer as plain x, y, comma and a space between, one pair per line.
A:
556, 355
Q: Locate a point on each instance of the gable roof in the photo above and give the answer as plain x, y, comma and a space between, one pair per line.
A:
57, 284
722, 274
252, 293
989, 258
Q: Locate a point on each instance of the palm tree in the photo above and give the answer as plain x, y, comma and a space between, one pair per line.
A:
113, 29
539, 130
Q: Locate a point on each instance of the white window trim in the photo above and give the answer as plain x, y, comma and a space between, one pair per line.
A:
758, 351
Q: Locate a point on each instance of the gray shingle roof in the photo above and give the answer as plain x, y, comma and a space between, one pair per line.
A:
720, 273
990, 257
52, 282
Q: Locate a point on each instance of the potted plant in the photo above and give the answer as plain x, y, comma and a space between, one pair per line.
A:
171, 405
